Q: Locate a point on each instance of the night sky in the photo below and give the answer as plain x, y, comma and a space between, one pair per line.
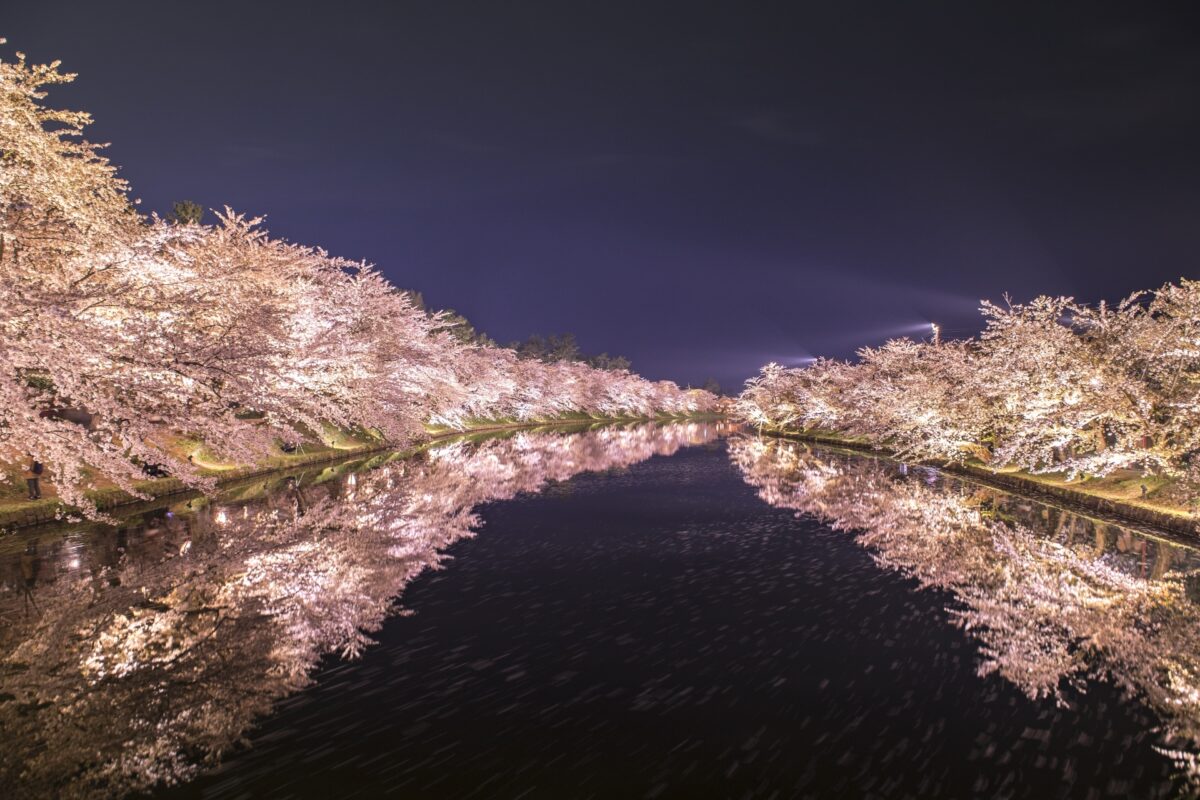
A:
701, 190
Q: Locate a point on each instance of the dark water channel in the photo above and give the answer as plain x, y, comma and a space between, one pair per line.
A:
645, 612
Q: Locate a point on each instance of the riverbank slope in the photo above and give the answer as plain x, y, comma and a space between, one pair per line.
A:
1118, 496
17, 512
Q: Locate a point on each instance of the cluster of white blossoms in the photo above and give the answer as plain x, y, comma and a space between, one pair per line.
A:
147, 329
1050, 385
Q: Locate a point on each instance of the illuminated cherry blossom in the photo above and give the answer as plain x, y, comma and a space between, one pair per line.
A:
120, 334
1050, 386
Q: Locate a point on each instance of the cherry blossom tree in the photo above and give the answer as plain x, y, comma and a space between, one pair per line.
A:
1051, 385
121, 334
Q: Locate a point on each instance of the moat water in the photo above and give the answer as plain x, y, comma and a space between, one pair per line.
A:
680, 610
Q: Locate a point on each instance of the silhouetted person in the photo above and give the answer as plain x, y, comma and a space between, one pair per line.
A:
295, 495
1143, 490
30, 566
33, 478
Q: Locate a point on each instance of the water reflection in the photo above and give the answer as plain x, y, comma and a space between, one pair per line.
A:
134, 654
1054, 598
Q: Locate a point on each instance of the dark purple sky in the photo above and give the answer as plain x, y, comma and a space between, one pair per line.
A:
699, 190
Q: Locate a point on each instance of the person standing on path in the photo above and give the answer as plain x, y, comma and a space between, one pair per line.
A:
33, 478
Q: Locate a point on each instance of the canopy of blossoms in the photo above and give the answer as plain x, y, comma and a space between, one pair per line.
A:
1051, 385
146, 329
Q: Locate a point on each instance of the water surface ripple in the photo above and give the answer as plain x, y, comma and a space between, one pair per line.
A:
731, 618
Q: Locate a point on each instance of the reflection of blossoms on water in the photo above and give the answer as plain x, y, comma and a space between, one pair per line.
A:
1053, 599
143, 665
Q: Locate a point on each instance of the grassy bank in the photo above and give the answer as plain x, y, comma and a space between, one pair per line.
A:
17, 512
1117, 496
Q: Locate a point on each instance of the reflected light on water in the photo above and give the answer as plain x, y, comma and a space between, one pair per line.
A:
175, 629
1055, 599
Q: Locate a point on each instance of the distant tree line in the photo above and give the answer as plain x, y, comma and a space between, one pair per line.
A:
563, 347
552, 349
